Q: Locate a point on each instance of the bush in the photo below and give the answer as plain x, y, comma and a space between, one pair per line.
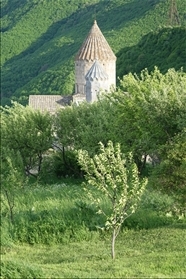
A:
50, 227
156, 201
170, 175
147, 219
65, 164
57, 165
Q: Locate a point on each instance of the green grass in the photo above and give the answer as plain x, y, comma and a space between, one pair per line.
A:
54, 235
155, 253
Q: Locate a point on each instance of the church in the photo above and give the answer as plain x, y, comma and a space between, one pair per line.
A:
95, 66
95, 72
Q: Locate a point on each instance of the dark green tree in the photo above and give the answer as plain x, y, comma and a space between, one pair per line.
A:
151, 111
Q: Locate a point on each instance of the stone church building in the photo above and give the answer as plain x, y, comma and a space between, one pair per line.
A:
95, 72
95, 66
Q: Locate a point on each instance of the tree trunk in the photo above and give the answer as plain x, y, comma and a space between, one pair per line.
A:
10, 205
40, 162
143, 163
113, 244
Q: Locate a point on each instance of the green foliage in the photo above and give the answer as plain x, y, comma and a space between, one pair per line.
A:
65, 164
152, 110
157, 201
26, 131
62, 213
12, 178
146, 115
40, 60
155, 210
6, 241
49, 215
117, 178
50, 227
170, 175
84, 126
147, 219
158, 47
153, 116
15, 269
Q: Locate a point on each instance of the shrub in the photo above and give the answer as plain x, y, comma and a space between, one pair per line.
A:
50, 226
62, 164
147, 219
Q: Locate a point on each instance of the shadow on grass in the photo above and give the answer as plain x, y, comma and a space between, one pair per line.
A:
78, 223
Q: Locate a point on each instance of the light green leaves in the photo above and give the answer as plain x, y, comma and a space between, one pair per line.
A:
115, 175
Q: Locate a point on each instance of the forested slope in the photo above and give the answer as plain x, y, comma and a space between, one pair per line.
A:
165, 48
41, 37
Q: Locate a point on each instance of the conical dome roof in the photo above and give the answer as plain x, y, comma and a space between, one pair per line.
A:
96, 72
95, 47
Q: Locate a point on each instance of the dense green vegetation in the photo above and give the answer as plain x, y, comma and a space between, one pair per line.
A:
42, 207
160, 48
55, 236
49, 226
146, 115
40, 39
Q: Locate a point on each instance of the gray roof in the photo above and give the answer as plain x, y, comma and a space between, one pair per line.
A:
95, 47
96, 72
50, 103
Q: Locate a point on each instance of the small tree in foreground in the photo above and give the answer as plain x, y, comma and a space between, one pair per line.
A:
116, 176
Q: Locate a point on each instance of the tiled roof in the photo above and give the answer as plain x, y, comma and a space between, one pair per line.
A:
95, 47
50, 103
96, 72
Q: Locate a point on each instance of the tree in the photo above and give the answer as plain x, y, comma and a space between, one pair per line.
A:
115, 176
26, 131
84, 126
12, 178
170, 175
151, 111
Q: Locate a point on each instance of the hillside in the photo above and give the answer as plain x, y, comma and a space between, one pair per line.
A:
160, 48
41, 37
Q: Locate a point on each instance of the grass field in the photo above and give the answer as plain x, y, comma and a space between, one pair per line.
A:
155, 253
54, 236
